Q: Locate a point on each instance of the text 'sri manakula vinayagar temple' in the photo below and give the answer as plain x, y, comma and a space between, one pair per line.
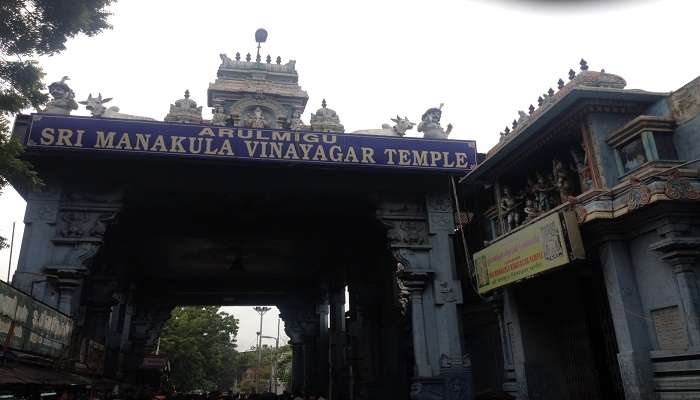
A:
561, 264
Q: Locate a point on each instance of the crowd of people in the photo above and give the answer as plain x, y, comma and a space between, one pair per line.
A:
262, 396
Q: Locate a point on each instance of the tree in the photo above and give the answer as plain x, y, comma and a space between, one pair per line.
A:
200, 343
247, 368
29, 28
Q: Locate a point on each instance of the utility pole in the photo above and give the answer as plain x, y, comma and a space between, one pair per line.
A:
12, 245
277, 346
261, 311
274, 358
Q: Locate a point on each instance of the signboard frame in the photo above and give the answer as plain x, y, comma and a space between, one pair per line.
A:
550, 242
155, 138
36, 327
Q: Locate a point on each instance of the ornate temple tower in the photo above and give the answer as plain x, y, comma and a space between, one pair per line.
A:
256, 93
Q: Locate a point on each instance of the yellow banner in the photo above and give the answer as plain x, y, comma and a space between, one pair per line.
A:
545, 244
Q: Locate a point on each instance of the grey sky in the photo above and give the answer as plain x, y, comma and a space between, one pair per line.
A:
373, 59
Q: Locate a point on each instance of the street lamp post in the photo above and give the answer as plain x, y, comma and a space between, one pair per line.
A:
261, 311
273, 365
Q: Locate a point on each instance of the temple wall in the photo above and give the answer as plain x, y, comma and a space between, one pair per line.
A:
655, 281
601, 125
686, 137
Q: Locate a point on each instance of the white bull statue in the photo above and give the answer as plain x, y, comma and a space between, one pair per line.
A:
96, 107
402, 125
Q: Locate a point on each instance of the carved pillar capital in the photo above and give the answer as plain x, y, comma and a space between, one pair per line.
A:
416, 281
681, 253
678, 251
412, 259
440, 212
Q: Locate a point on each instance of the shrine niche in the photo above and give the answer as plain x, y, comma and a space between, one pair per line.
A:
258, 114
539, 182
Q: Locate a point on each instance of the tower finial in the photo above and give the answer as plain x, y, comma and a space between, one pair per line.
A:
260, 37
187, 93
584, 65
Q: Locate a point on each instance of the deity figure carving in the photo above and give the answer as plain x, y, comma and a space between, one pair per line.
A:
447, 292
430, 124
523, 118
531, 211
326, 120
295, 122
74, 224
581, 161
403, 292
185, 110
511, 209
412, 232
562, 180
219, 117
256, 119
63, 101
402, 125
542, 190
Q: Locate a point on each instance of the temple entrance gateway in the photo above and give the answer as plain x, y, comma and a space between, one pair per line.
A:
254, 207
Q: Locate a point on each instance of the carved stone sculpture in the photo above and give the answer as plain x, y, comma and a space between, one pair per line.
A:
295, 122
63, 101
96, 107
511, 209
403, 292
185, 110
562, 180
219, 117
256, 120
326, 120
399, 129
430, 124
582, 168
531, 211
543, 189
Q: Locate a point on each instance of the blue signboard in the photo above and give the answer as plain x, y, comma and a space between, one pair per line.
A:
269, 145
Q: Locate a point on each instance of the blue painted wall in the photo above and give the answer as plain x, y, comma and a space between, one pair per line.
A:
601, 126
687, 138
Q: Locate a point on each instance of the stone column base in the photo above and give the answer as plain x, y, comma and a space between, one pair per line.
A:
452, 384
636, 374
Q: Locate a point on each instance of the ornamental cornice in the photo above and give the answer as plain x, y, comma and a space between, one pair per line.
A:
290, 90
636, 193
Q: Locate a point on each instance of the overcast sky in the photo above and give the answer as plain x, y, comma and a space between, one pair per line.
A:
373, 59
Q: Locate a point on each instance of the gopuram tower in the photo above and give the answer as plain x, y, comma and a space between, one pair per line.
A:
256, 93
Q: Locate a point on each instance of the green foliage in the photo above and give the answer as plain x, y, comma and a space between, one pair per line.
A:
30, 28
248, 370
42, 26
200, 343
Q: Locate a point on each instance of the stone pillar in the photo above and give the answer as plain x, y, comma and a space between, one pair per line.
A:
301, 323
631, 331
64, 230
297, 367
455, 364
323, 369
516, 378
40, 218
416, 282
310, 367
68, 283
681, 253
114, 336
338, 377
420, 236
687, 281
362, 302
